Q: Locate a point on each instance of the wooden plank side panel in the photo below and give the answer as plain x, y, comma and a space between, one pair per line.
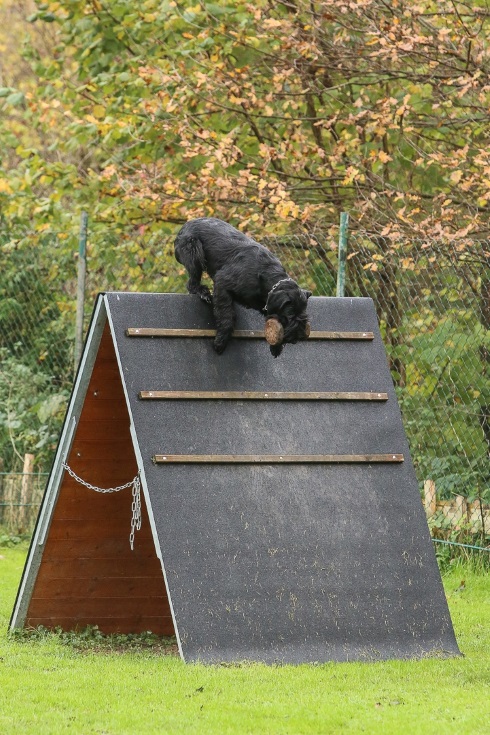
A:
103, 507
94, 567
84, 529
88, 573
94, 588
90, 448
102, 546
98, 410
78, 606
111, 473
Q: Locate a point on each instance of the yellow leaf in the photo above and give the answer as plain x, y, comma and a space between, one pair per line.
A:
272, 23
455, 177
5, 187
99, 111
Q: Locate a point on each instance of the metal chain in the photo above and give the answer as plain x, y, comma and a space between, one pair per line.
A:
135, 483
136, 509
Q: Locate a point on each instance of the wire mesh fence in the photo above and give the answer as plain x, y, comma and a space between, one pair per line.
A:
20, 499
433, 304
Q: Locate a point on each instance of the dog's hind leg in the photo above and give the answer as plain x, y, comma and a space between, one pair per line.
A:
190, 254
224, 313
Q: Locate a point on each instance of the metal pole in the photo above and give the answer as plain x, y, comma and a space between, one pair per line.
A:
344, 224
82, 268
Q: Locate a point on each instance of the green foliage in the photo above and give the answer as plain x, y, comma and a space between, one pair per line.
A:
32, 327
432, 304
31, 411
8, 540
459, 560
36, 362
91, 639
445, 380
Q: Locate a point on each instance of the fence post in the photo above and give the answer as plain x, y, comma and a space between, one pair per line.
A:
82, 268
430, 497
344, 224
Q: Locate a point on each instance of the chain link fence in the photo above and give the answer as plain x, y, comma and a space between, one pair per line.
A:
433, 304
20, 499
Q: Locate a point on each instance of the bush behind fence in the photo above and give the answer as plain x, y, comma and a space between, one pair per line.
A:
432, 300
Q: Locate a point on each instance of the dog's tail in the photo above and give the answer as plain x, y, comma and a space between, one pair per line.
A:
189, 250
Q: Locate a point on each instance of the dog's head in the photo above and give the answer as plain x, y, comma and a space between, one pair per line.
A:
287, 302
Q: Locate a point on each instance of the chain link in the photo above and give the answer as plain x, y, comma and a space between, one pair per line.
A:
135, 483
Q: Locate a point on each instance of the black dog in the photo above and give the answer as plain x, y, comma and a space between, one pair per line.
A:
244, 271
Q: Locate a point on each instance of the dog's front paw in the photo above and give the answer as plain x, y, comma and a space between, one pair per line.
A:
206, 295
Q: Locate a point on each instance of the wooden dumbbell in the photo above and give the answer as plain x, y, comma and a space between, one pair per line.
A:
274, 331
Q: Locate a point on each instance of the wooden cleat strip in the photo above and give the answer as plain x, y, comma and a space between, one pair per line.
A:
243, 395
239, 333
275, 458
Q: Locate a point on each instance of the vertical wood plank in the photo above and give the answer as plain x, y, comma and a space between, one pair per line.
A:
430, 502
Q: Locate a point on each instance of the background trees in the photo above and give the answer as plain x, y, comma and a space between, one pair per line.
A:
275, 114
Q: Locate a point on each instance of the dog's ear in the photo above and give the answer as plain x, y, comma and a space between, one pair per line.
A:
307, 294
276, 302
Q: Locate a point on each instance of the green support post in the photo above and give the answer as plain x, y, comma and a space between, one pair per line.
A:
82, 267
344, 224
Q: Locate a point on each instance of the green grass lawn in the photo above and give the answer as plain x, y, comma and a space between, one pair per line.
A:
47, 686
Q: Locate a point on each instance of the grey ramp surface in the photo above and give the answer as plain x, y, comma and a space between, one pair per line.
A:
287, 563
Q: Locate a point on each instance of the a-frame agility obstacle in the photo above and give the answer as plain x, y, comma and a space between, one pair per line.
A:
281, 517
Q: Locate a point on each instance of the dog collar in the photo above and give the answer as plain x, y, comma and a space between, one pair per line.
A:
277, 284
283, 280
